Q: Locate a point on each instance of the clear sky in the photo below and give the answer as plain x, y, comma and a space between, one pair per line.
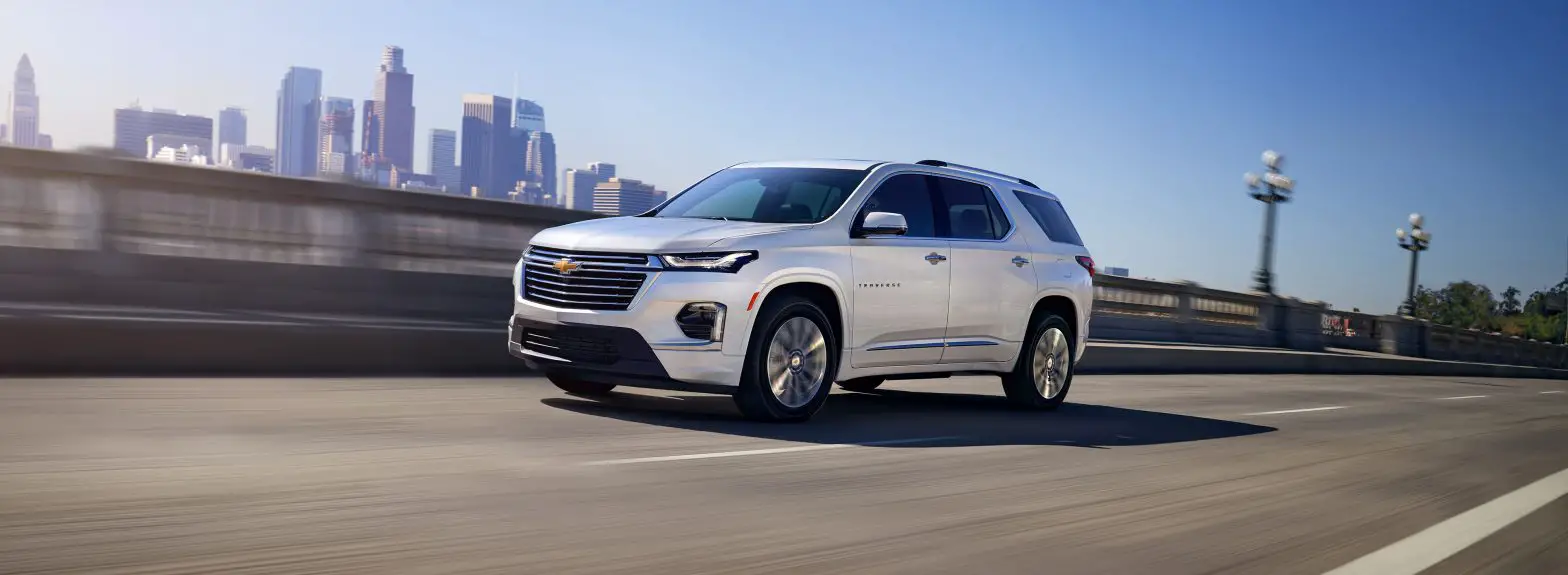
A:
1141, 114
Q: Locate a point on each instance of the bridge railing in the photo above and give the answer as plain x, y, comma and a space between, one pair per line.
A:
84, 228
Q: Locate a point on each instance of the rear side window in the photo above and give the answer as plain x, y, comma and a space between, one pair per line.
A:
1051, 217
967, 208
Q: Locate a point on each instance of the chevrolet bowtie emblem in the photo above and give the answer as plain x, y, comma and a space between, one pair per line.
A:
565, 266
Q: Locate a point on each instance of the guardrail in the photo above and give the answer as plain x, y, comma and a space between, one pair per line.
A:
90, 229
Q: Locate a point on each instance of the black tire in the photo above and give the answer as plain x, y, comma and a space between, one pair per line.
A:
755, 397
1021, 385
863, 384
576, 386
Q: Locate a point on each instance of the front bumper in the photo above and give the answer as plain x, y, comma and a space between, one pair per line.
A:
619, 356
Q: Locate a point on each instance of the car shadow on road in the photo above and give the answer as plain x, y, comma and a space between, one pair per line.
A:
893, 418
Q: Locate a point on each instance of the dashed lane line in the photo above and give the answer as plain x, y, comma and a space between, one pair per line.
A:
770, 451
1461, 397
1418, 552
1302, 410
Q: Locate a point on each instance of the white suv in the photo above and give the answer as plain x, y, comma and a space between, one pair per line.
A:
769, 281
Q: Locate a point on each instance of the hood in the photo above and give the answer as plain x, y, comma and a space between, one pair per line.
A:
650, 235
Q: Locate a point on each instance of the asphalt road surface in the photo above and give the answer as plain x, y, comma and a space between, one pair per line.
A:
1137, 474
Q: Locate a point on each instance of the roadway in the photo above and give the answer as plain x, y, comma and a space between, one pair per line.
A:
1139, 474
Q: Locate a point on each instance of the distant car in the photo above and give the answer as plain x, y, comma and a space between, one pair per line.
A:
769, 281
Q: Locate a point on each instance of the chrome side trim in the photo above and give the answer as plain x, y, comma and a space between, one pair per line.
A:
905, 346
969, 343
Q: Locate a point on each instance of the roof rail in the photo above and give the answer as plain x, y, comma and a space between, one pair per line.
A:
942, 164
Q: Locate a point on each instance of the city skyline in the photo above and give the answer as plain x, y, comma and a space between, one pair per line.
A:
1142, 120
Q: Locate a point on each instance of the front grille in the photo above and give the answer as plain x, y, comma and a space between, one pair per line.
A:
575, 348
603, 281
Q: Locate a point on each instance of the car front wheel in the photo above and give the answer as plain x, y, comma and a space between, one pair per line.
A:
790, 364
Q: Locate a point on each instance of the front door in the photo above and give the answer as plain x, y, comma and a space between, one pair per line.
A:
901, 283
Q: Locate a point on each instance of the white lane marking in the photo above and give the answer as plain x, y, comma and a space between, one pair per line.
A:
1549, 392
1461, 397
174, 319
1438, 542
768, 451
1304, 410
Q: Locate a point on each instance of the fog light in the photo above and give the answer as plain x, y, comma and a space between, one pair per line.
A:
703, 320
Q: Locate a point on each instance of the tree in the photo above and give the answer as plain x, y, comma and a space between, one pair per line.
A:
1510, 305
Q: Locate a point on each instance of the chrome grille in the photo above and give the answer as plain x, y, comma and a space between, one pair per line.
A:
603, 281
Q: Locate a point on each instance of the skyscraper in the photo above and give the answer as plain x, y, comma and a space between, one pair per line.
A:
541, 160
603, 169
299, 117
530, 115
231, 126
395, 110
134, 126
487, 121
370, 132
443, 159
337, 137
24, 106
577, 189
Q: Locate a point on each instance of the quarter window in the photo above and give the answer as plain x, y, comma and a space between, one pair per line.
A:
1051, 217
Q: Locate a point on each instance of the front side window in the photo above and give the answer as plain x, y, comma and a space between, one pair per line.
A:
908, 195
770, 195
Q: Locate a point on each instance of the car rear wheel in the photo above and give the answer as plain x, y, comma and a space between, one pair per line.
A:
576, 386
1044, 371
790, 364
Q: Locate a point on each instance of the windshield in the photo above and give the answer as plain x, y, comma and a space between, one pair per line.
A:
770, 195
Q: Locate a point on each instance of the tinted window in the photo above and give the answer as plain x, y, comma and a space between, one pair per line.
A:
999, 222
967, 214
774, 195
1051, 217
908, 195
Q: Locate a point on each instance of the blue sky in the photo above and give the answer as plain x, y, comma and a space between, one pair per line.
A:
1142, 115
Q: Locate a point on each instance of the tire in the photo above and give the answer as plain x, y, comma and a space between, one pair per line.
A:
576, 386
863, 384
1050, 340
785, 341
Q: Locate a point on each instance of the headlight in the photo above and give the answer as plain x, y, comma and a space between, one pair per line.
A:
729, 262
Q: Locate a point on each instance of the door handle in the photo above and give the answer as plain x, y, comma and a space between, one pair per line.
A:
1020, 261
935, 258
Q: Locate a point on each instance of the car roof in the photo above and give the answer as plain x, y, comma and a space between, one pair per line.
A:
998, 180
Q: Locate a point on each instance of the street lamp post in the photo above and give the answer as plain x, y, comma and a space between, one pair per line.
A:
1417, 239
1271, 188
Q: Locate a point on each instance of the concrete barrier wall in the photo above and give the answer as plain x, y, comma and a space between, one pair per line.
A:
85, 229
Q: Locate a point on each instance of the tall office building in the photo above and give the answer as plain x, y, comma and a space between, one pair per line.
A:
337, 137
487, 146
299, 122
577, 189
541, 160
24, 106
133, 126
622, 197
604, 170
231, 126
370, 131
395, 110
530, 115
443, 159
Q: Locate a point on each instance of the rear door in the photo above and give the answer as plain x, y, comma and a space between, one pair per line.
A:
993, 274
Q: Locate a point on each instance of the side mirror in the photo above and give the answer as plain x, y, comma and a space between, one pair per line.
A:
883, 224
